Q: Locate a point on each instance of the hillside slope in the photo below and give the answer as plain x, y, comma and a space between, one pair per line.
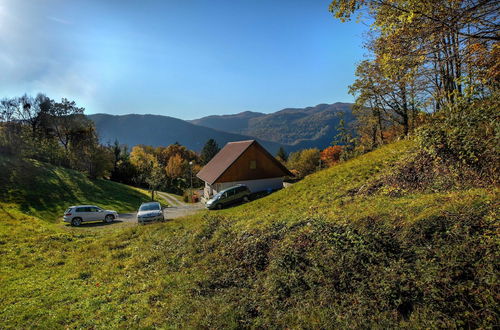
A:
299, 127
339, 249
158, 130
46, 191
229, 123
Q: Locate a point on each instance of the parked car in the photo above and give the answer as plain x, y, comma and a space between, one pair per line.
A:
76, 215
232, 195
151, 211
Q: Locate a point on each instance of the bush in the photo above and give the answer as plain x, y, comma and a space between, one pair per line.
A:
468, 134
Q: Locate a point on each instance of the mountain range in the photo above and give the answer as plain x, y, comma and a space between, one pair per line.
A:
291, 128
296, 128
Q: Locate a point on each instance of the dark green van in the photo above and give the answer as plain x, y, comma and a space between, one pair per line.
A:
232, 195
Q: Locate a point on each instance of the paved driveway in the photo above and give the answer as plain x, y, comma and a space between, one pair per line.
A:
177, 209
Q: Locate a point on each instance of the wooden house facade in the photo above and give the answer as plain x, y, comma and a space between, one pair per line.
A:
243, 162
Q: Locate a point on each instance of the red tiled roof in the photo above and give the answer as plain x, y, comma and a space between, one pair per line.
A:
226, 157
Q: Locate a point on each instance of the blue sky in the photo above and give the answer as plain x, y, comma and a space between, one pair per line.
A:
181, 58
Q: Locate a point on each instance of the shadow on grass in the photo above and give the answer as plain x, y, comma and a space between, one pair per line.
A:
46, 191
95, 224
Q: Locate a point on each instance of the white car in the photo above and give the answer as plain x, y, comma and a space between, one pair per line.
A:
150, 212
84, 213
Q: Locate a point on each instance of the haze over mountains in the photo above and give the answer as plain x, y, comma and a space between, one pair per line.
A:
292, 128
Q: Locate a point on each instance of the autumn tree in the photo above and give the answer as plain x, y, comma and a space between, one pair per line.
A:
144, 162
436, 57
435, 39
304, 162
331, 155
165, 153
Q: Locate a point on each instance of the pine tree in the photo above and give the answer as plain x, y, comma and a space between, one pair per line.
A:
281, 155
344, 138
209, 151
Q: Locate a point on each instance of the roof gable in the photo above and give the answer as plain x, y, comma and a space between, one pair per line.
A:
229, 155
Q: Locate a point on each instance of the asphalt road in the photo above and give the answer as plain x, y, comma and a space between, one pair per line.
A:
177, 209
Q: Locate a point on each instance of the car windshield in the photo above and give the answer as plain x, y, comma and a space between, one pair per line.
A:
218, 195
149, 207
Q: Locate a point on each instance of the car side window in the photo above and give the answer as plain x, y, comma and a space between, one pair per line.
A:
80, 209
93, 209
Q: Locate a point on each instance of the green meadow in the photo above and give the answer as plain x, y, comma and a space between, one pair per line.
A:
345, 247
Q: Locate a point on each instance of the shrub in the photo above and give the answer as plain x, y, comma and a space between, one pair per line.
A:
468, 134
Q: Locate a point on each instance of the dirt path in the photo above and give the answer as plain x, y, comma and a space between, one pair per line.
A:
177, 208
171, 200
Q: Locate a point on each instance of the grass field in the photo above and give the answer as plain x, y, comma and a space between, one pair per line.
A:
45, 191
318, 255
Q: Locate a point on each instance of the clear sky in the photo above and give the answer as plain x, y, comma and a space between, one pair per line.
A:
181, 58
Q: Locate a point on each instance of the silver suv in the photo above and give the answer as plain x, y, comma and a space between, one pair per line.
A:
151, 211
84, 213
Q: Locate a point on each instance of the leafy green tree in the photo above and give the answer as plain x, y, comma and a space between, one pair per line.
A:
210, 149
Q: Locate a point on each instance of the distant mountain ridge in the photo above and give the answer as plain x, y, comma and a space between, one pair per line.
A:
228, 123
297, 128
157, 130
292, 128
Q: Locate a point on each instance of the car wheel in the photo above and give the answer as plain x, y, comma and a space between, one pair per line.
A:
76, 222
109, 218
246, 199
219, 207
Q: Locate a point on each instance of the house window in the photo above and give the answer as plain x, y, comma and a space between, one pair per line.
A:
253, 164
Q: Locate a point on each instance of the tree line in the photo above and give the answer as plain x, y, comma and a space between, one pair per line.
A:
59, 133
55, 132
432, 70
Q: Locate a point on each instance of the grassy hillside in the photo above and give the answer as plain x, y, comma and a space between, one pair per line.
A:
339, 249
46, 191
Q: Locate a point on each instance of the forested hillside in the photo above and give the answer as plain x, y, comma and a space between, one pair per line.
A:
157, 130
311, 127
